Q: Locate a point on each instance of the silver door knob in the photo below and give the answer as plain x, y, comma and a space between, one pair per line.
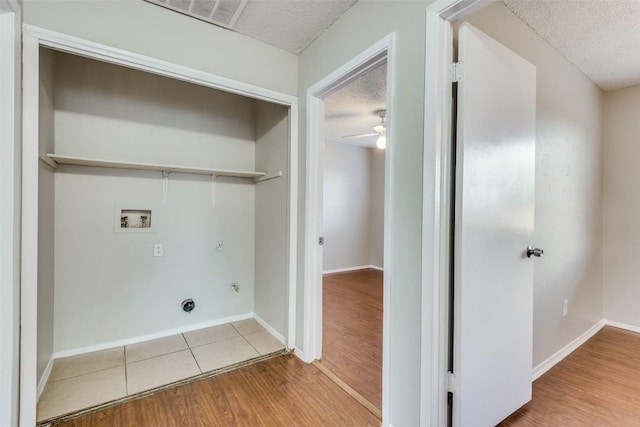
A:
534, 251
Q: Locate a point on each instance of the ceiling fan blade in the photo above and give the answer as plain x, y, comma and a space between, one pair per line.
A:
359, 135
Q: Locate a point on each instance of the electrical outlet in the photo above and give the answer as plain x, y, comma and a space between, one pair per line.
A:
219, 246
565, 308
157, 249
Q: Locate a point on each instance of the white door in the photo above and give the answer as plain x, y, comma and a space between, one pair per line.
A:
493, 277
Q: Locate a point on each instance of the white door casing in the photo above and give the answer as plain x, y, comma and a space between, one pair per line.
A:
10, 139
494, 223
437, 204
375, 55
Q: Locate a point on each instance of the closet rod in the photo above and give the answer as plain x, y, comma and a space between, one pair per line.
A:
82, 161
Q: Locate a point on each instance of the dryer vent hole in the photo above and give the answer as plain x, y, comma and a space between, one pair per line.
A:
188, 305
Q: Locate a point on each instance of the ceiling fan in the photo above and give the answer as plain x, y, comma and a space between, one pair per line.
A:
378, 130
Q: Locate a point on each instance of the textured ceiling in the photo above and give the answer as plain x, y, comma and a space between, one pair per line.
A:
600, 37
289, 24
352, 109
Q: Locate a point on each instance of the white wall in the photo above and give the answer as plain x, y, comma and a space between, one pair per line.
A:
621, 205
151, 30
376, 229
111, 112
108, 285
271, 264
568, 217
346, 216
364, 24
353, 209
46, 207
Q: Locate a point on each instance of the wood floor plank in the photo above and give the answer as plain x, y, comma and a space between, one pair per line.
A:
352, 330
596, 385
282, 391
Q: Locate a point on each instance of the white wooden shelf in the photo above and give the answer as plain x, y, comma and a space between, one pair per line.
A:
54, 159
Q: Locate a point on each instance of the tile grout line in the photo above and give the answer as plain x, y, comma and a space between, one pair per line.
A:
252, 346
82, 375
126, 374
193, 355
245, 338
215, 342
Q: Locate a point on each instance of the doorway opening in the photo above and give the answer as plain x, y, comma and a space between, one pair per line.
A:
218, 195
353, 234
347, 231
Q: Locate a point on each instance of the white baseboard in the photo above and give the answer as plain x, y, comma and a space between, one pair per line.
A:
347, 269
269, 328
543, 367
625, 326
149, 337
44, 378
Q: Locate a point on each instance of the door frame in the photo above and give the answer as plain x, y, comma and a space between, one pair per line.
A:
380, 52
10, 139
437, 192
34, 38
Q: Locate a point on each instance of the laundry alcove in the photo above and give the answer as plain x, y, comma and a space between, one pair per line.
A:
212, 167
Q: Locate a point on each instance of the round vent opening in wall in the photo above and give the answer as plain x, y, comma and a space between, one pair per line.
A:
188, 305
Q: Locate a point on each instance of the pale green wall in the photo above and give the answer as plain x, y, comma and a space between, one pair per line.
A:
363, 25
147, 29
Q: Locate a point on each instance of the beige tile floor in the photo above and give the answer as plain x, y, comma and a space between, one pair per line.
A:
86, 380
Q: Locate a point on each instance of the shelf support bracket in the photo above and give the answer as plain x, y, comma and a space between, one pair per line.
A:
47, 160
165, 185
213, 189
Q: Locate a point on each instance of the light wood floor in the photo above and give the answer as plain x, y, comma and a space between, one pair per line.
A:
352, 330
596, 385
282, 391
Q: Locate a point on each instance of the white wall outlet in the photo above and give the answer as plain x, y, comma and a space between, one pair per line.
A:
157, 249
219, 246
565, 307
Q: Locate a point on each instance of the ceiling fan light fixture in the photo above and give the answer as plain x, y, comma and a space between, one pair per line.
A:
381, 143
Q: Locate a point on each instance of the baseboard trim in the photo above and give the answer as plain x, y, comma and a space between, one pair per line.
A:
269, 328
543, 367
149, 337
348, 269
44, 378
620, 325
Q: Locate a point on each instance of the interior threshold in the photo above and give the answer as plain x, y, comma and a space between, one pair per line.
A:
350, 391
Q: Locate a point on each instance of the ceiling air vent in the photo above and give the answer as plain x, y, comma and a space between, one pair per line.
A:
224, 13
